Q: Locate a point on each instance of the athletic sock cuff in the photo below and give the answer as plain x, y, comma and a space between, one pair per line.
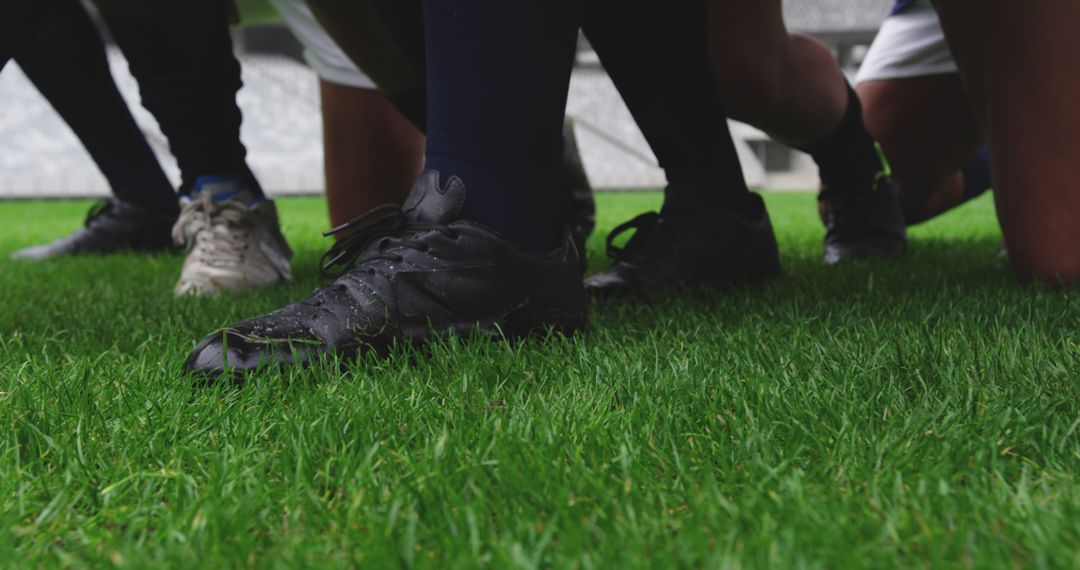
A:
849, 153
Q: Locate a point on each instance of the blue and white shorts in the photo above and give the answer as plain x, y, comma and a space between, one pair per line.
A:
911, 43
320, 50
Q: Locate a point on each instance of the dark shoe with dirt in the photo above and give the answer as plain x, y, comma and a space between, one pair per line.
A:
410, 274
111, 226
578, 201
863, 225
678, 251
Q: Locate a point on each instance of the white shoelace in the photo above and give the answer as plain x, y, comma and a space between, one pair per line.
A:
215, 231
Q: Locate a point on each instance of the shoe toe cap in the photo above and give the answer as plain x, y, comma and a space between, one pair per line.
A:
35, 253
837, 253
610, 284
233, 352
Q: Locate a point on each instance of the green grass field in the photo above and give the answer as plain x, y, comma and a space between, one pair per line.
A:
918, 413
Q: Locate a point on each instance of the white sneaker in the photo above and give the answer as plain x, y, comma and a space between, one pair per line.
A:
233, 242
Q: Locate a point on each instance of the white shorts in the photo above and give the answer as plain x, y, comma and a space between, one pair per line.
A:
910, 44
320, 50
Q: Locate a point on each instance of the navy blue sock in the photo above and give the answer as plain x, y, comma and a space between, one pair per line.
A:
498, 75
977, 175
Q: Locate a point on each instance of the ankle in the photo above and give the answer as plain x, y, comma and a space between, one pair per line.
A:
688, 201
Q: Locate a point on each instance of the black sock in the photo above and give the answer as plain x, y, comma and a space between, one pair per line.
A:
498, 76
722, 187
677, 107
847, 159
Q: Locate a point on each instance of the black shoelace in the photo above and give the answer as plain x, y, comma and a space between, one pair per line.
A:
100, 209
387, 224
642, 225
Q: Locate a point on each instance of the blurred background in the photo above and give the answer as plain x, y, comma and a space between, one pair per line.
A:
41, 158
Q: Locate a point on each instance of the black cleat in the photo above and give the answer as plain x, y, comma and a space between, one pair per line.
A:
578, 202
863, 225
410, 274
111, 226
670, 252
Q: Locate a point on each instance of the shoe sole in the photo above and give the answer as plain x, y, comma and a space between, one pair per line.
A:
612, 294
566, 326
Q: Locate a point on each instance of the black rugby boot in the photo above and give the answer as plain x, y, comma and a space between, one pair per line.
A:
409, 274
684, 249
111, 226
863, 224
578, 201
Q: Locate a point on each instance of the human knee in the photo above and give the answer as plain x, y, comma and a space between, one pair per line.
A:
891, 126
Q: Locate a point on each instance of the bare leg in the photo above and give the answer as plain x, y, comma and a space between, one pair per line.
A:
787, 85
791, 87
372, 152
1018, 61
385, 38
928, 131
